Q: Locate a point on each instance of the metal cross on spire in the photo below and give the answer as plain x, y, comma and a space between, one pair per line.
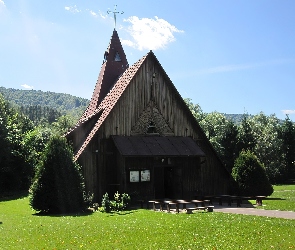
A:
115, 12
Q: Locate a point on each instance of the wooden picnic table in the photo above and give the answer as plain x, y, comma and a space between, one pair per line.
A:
259, 200
157, 202
169, 203
199, 205
183, 202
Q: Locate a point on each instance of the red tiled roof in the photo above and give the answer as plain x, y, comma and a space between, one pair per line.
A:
109, 102
93, 102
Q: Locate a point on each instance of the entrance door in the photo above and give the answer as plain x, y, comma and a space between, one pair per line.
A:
159, 182
177, 183
168, 182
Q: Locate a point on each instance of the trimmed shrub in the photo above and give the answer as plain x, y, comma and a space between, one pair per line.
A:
119, 203
250, 176
58, 186
106, 203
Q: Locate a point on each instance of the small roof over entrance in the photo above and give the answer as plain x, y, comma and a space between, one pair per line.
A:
157, 146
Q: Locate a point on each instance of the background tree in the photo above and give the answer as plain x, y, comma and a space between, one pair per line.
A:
58, 186
63, 124
15, 174
269, 147
250, 176
196, 109
229, 150
287, 134
34, 143
5, 147
246, 138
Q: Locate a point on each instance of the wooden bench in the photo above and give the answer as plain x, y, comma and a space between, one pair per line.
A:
208, 208
259, 200
200, 205
154, 202
169, 203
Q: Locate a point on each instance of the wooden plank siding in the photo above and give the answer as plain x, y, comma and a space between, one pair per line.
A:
107, 167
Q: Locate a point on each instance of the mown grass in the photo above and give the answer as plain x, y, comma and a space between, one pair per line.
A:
140, 229
283, 198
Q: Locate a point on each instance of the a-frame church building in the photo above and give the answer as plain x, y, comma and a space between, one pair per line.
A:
138, 136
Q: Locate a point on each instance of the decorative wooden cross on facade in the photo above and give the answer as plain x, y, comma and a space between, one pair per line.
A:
115, 12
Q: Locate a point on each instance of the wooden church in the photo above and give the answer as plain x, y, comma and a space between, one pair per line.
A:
138, 136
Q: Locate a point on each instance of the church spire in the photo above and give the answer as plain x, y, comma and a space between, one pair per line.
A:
114, 64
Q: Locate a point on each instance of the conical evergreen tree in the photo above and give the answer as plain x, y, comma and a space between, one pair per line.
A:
58, 185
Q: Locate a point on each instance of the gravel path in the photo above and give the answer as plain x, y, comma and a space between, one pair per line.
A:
254, 211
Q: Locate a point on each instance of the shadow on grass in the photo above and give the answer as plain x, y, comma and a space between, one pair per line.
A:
13, 195
78, 214
274, 199
125, 212
86, 213
287, 182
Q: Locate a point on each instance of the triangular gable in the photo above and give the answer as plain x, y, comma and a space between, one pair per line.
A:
151, 116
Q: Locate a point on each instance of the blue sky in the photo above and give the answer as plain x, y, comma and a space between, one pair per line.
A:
230, 56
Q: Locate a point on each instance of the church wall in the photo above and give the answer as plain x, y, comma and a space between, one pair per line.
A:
209, 177
88, 161
214, 177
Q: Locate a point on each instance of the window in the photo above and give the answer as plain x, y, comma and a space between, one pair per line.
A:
152, 128
140, 175
145, 175
134, 176
117, 57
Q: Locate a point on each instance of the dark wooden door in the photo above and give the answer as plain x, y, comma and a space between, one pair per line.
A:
159, 182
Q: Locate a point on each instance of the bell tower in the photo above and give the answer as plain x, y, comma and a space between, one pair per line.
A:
113, 66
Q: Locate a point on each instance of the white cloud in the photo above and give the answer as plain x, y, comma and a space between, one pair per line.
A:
96, 14
2, 6
150, 33
288, 112
92, 13
102, 15
128, 43
26, 86
72, 9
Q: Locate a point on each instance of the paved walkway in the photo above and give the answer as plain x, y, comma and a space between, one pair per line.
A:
250, 210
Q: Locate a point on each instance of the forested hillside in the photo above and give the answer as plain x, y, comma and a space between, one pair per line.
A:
35, 103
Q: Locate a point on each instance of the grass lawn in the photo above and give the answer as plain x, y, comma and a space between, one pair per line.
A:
143, 229
283, 198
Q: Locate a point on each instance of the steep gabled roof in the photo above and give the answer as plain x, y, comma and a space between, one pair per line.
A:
106, 106
109, 102
114, 64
